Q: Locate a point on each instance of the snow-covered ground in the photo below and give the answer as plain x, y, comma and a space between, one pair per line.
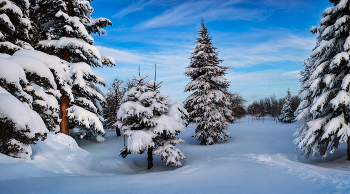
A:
259, 158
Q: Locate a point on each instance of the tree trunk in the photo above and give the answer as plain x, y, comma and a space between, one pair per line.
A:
118, 131
64, 103
64, 125
150, 158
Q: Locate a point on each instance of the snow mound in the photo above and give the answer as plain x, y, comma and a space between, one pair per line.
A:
61, 154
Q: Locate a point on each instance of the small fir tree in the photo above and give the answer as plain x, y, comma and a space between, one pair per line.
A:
208, 105
151, 123
287, 115
323, 113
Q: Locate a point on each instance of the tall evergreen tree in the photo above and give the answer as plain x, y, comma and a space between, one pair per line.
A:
287, 115
208, 105
323, 113
65, 27
151, 123
16, 30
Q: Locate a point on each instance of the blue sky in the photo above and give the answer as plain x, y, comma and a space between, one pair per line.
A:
264, 42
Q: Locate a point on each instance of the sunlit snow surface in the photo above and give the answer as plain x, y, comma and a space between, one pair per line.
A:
259, 158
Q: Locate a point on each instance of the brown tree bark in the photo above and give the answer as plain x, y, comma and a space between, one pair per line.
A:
150, 158
64, 104
118, 131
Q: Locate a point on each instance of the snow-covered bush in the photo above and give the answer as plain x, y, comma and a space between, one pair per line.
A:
208, 105
151, 123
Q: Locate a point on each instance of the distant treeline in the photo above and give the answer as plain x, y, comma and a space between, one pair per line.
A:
271, 106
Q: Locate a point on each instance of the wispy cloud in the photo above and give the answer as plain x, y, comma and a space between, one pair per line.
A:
253, 84
291, 48
140, 5
189, 12
170, 63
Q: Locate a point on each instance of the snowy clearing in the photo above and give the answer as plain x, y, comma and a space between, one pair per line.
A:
259, 158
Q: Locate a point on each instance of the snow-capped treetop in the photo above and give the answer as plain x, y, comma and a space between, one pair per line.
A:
135, 92
68, 24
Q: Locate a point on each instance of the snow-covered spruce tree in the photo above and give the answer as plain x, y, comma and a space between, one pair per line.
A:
19, 125
16, 31
323, 113
208, 106
151, 123
287, 115
66, 26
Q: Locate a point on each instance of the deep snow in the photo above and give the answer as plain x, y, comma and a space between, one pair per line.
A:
259, 158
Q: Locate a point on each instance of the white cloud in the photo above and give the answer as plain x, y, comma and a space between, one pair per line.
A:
291, 48
189, 12
171, 64
140, 5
